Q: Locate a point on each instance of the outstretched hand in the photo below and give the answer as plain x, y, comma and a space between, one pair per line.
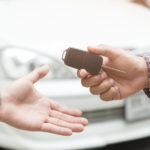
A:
23, 107
111, 85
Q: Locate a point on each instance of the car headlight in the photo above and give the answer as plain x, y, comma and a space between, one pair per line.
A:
16, 62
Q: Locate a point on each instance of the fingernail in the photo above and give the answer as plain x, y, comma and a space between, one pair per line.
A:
111, 81
81, 73
103, 75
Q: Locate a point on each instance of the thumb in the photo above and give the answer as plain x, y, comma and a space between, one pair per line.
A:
105, 50
37, 74
82, 73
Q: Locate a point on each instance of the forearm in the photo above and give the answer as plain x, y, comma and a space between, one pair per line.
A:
142, 2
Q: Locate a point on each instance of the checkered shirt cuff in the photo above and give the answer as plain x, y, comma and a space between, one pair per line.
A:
147, 59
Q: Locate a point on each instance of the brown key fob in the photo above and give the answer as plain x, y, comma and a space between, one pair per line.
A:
80, 59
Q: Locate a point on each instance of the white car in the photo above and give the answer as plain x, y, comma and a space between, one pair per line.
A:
37, 33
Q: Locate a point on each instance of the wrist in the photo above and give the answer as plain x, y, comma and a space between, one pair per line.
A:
145, 72
141, 74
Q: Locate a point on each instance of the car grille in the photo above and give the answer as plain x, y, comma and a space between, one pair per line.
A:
104, 115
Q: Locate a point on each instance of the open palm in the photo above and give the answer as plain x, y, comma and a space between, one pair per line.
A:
25, 108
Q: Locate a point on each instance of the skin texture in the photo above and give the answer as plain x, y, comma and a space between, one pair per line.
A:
111, 85
142, 2
23, 107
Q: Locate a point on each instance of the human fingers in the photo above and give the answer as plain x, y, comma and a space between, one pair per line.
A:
94, 80
105, 50
82, 73
64, 109
103, 87
73, 126
51, 128
68, 118
111, 94
37, 74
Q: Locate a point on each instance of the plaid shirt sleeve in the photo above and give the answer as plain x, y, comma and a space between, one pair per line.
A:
147, 59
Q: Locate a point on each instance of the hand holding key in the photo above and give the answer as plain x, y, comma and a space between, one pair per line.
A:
110, 84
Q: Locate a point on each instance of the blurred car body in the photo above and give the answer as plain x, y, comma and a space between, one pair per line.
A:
49, 27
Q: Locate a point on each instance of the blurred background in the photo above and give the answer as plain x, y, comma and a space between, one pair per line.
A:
36, 32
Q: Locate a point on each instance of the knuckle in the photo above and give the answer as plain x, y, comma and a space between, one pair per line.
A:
102, 97
92, 91
86, 82
107, 84
103, 87
113, 91
37, 74
83, 82
105, 97
97, 78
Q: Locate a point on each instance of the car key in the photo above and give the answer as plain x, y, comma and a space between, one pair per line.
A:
80, 59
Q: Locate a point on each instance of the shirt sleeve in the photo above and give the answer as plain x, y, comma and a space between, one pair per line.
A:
147, 59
